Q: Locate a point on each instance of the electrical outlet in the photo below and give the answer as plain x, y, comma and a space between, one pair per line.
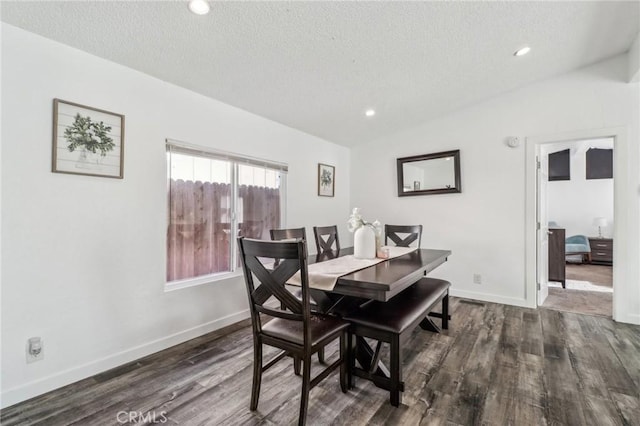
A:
477, 279
35, 350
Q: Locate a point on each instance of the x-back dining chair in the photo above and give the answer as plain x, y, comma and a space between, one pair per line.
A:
294, 328
288, 234
411, 232
326, 238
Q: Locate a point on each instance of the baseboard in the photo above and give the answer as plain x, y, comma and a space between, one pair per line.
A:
484, 297
38, 387
630, 319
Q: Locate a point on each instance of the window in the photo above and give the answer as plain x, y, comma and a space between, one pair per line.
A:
599, 163
212, 198
559, 165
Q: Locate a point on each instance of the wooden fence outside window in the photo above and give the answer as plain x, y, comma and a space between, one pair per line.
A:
198, 236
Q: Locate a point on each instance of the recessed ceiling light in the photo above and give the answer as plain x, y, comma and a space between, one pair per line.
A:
199, 7
369, 113
522, 52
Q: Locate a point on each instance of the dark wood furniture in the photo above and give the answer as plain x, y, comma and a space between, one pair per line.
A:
289, 234
382, 282
294, 329
326, 238
601, 250
251, 229
392, 322
557, 258
412, 233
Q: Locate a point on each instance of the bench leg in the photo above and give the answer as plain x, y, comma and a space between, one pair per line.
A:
396, 372
445, 312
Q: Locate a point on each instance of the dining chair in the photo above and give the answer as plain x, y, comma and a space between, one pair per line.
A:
252, 228
326, 238
294, 328
288, 234
411, 233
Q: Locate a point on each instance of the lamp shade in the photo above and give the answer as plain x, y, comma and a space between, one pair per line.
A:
600, 221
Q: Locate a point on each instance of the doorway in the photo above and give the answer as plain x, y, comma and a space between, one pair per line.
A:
624, 231
579, 201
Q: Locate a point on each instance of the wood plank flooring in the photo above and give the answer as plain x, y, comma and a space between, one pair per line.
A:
496, 365
579, 301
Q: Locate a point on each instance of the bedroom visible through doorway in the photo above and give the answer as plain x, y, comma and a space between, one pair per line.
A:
580, 206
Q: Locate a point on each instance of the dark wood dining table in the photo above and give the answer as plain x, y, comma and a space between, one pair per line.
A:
382, 282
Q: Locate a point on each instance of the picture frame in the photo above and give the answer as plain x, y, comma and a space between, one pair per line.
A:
87, 141
326, 180
429, 174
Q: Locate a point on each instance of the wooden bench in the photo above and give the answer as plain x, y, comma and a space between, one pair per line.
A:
392, 322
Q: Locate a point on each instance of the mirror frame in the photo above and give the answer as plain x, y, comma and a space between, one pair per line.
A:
456, 169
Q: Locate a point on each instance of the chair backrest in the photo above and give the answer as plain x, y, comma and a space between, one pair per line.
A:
289, 234
251, 229
326, 237
412, 233
255, 256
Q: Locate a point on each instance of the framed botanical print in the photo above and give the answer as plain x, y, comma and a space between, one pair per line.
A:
326, 180
87, 141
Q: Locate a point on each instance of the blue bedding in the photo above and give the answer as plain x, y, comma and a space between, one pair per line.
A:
577, 244
577, 248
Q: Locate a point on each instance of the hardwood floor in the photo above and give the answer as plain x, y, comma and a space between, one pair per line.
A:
579, 301
496, 365
595, 274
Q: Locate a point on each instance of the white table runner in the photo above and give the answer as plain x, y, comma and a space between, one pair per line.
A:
324, 275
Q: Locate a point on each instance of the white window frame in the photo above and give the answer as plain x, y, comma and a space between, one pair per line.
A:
236, 160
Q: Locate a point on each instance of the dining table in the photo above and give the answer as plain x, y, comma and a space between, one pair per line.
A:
381, 282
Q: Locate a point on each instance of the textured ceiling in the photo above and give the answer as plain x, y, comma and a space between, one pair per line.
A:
317, 66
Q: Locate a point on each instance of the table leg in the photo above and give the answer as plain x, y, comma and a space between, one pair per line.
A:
429, 325
365, 357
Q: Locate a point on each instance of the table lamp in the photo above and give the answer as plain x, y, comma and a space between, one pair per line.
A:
600, 222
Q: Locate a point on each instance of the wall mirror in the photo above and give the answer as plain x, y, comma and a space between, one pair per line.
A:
437, 173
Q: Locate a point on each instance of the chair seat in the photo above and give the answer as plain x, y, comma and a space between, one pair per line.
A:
405, 309
322, 327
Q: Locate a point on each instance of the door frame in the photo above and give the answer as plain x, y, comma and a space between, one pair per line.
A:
622, 233
542, 234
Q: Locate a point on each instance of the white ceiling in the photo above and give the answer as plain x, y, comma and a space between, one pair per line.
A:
317, 66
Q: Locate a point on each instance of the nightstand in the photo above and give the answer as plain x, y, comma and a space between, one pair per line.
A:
601, 250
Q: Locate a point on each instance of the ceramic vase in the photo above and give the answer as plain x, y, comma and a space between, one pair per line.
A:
364, 243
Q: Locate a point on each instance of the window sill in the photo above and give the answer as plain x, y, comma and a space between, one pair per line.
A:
198, 281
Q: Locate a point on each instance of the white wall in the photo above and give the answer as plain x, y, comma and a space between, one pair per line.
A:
634, 60
83, 259
83, 264
574, 204
484, 225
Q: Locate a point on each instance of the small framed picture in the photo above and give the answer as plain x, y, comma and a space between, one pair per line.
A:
326, 180
87, 141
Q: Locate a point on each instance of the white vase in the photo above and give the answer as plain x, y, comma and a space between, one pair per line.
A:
364, 243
